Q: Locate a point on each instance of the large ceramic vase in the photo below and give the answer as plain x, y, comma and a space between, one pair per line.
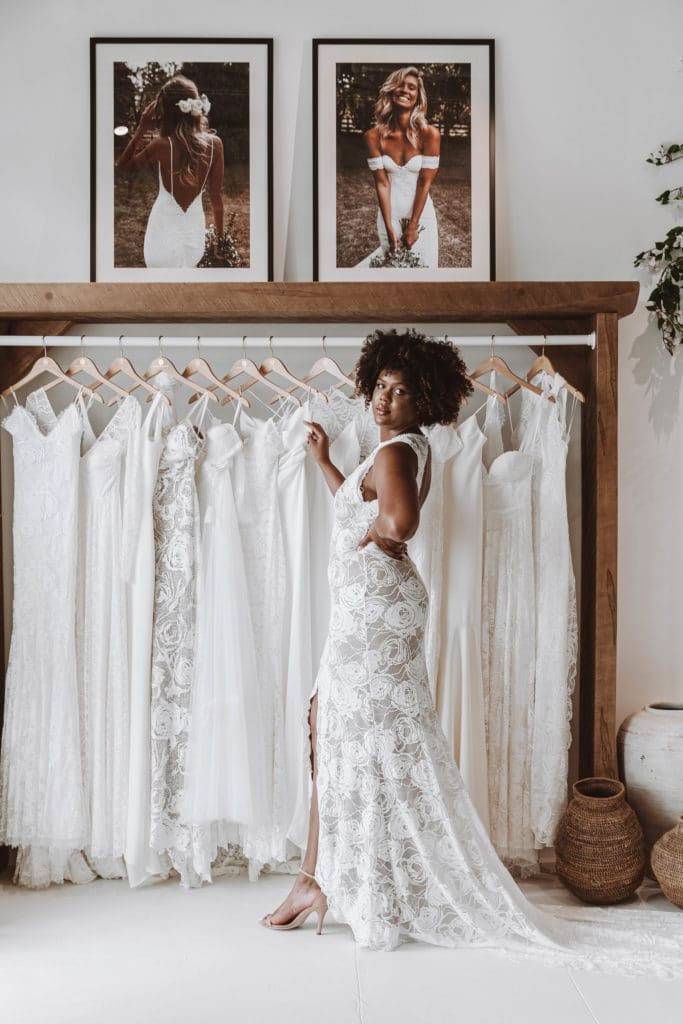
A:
599, 844
667, 863
650, 747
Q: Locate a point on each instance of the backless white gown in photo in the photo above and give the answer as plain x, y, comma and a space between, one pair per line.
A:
403, 184
109, 515
402, 852
42, 804
175, 237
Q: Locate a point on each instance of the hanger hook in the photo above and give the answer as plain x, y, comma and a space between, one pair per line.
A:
493, 344
324, 343
244, 346
121, 345
545, 338
44, 347
161, 351
270, 345
198, 340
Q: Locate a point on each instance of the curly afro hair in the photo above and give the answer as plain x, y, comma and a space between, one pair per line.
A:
432, 369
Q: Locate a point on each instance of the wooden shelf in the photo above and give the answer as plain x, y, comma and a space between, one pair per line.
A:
528, 306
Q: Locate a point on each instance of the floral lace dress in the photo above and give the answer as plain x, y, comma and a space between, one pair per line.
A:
402, 852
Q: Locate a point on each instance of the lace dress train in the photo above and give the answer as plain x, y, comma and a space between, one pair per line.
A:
403, 854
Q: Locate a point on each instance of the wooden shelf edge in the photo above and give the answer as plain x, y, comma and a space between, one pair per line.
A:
553, 303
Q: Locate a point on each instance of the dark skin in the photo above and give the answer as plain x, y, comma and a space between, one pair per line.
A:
136, 155
392, 482
399, 148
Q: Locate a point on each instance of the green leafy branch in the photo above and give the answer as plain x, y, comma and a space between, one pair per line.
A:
666, 259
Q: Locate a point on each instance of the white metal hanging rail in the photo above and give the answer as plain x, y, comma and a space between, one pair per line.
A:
282, 341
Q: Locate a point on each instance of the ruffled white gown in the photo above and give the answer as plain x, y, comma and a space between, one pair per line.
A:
226, 788
402, 852
42, 803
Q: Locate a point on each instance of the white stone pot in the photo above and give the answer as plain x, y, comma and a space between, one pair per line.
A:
650, 748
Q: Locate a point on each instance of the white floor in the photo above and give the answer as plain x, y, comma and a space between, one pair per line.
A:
101, 953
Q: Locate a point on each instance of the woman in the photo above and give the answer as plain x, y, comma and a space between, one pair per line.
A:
403, 154
189, 156
395, 845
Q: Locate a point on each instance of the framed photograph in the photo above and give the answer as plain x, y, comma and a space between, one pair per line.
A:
403, 160
181, 180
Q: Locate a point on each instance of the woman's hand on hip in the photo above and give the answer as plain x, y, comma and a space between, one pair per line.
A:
393, 548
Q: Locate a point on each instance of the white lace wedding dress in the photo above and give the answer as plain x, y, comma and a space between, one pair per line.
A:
42, 805
403, 186
176, 539
543, 432
402, 852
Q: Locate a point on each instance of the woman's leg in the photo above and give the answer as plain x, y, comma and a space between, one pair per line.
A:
305, 889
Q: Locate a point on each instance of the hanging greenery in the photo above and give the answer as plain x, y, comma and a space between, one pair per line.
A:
666, 258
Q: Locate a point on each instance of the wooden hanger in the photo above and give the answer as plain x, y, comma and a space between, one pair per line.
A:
325, 364
249, 367
123, 365
540, 364
83, 364
46, 364
493, 362
480, 386
162, 364
271, 364
198, 365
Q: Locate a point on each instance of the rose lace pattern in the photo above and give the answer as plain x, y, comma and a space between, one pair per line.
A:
402, 852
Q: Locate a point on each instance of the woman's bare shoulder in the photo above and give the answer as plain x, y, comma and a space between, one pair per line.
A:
372, 139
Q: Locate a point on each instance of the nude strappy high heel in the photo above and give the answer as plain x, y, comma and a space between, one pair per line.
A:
319, 905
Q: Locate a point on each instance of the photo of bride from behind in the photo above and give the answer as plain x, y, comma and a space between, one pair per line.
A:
176, 227
403, 154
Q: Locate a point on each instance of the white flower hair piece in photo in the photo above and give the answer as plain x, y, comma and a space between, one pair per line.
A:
195, 105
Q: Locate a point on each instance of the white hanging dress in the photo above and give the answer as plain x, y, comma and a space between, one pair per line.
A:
42, 804
226, 776
543, 432
175, 237
459, 683
508, 644
260, 528
142, 862
176, 538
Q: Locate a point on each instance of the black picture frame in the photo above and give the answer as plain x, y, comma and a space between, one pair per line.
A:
489, 44
95, 41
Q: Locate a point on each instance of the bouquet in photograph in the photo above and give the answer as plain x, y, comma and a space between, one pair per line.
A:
402, 257
219, 251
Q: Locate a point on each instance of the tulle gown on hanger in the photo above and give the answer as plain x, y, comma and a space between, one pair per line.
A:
402, 852
42, 804
226, 790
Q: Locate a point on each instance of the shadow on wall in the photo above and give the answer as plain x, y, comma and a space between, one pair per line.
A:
660, 375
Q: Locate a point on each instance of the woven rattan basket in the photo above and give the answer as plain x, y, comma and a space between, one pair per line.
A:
599, 844
667, 863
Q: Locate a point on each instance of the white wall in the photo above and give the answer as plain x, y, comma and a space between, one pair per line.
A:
584, 92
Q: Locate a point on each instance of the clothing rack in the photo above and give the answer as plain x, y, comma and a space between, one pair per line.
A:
538, 312
283, 341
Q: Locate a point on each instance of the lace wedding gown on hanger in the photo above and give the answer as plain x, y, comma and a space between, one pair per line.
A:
42, 805
403, 186
402, 852
175, 237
